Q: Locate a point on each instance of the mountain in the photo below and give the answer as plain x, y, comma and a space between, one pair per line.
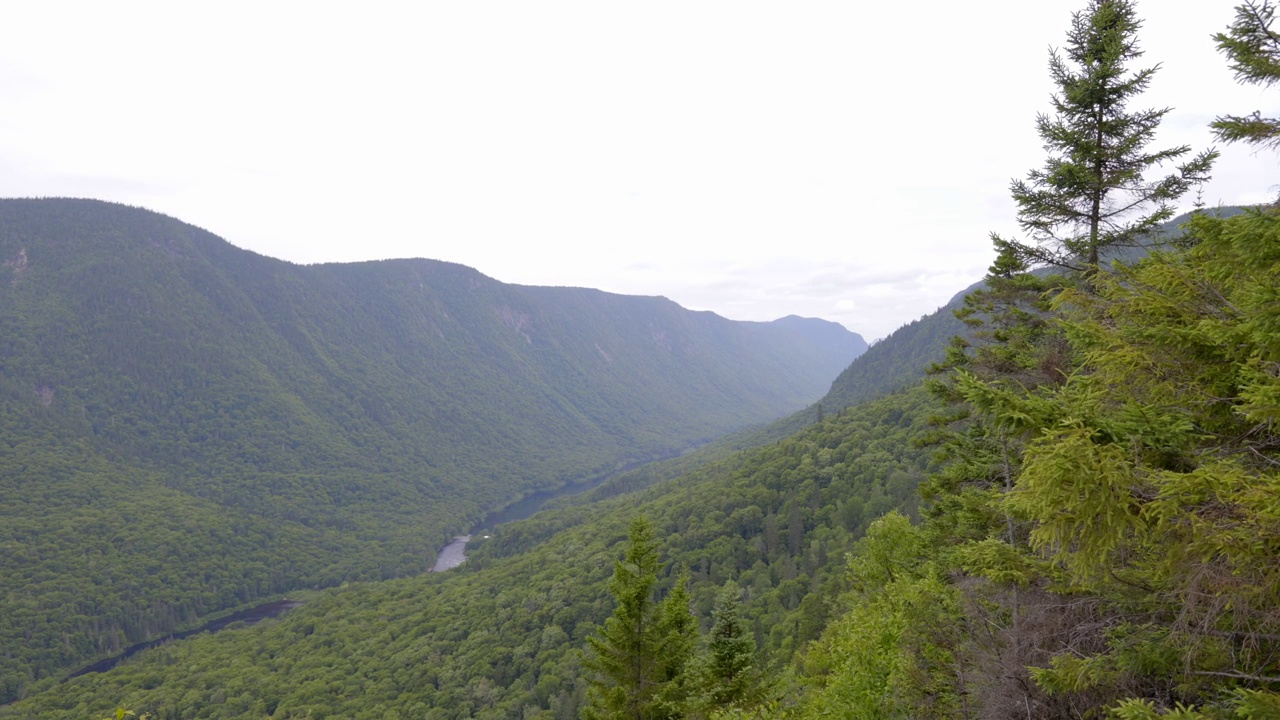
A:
504, 635
899, 360
893, 364
188, 426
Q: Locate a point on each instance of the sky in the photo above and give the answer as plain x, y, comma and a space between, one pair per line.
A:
839, 160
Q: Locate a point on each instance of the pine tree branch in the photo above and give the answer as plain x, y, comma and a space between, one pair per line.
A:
1238, 676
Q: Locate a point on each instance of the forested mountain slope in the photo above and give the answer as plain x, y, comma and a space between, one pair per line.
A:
899, 360
188, 426
500, 636
895, 363
503, 635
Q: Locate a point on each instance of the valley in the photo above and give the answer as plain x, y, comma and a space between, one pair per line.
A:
449, 557
225, 427
250, 616
238, 488
807, 526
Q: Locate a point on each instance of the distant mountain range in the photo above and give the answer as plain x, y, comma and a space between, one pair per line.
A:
186, 426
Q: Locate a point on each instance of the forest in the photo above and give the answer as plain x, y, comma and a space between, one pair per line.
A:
187, 428
1069, 508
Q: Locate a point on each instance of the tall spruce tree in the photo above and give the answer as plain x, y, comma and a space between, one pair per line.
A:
638, 656
623, 653
677, 640
1092, 194
726, 674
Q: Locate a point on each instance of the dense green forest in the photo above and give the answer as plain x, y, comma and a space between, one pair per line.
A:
188, 427
501, 635
1103, 537
1075, 514
950, 618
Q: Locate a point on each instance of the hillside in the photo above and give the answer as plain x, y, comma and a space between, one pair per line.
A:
976, 611
900, 359
500, 636
188, 426
503, 635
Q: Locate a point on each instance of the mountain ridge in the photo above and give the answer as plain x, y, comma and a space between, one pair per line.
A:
278, 426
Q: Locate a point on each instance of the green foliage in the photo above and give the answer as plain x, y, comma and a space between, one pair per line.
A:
1139, 489
186, 427
1242, 704
894, 651
1254, 51
678, 640
502, 635
1084, 199
725, 676
121, 713
1167, 481
642, 647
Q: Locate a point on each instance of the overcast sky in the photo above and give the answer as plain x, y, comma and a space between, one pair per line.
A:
844, 160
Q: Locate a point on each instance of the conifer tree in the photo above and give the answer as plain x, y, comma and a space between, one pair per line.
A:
623, 652
677, 640
726, 674
1254, 51
640, 653
1092, 194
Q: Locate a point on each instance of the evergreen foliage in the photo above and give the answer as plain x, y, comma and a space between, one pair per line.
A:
1092, 193
1166, 480
893, 653
1104, 537
725, 676
629, 654
1254, 51
678, 640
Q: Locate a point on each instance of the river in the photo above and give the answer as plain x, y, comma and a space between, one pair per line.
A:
249, 617
450, 556
454, 554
